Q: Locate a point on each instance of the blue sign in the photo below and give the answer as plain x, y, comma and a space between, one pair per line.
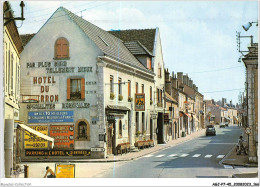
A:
50, 117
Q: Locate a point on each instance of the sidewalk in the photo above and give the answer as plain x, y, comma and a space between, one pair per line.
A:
237, 160
131, 155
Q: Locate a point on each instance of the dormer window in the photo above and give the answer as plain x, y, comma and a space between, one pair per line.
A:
61, 49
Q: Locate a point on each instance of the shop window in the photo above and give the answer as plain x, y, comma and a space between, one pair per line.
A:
120, 129
82, 130
61, 49
75, 88
143, 122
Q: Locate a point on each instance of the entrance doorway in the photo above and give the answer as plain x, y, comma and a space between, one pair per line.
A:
151, 129
160, 128
110, 137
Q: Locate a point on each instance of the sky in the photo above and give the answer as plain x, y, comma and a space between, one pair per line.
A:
198, 37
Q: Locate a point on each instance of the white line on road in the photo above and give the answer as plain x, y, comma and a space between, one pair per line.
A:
228, 167
220, 156
196, 155
208, 156
184, 155
160, 155
172, 155
147, 156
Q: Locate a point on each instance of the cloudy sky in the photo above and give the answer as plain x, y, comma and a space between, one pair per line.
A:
198, 37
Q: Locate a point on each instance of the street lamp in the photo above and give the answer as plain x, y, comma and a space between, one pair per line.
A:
248, 25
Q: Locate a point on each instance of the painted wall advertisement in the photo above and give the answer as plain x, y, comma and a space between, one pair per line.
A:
63, 136
31, 141
50, 117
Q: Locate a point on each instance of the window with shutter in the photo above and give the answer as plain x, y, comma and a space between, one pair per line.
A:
76, 89
61, 48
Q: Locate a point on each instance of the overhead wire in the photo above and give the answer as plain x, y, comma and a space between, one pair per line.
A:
216, 70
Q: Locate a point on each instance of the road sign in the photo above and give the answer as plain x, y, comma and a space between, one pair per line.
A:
248, 130
65, 171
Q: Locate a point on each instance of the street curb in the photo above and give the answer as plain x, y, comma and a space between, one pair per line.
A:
117, 160
222, 162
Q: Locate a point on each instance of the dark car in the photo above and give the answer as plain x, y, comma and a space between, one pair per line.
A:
210, 130
222, 125
226, 124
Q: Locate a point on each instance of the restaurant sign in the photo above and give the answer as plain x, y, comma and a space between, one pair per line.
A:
50, 117
63, 136
31, 141
57, 153
140, 102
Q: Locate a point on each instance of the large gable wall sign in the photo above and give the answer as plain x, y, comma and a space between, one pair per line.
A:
140, 102
50, 117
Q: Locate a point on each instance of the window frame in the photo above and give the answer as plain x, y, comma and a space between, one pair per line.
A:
82, 88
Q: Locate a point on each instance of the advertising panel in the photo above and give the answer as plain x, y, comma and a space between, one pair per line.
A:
50, 117
31, 141
65, 170
57, 152
63, 136
140, 102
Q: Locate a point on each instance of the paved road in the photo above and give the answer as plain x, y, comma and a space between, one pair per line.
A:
198, 158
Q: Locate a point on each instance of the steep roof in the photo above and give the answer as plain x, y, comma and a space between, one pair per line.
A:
108, 43
144, 36
26, 38
11, 26
137, 48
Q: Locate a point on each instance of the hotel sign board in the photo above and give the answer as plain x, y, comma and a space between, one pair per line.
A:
57, 152
50, 117
140, 102
32, 141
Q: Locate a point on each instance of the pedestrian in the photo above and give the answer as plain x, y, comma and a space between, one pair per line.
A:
240, 145
49, 170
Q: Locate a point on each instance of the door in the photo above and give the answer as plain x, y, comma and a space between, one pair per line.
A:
110, 132
151, 129
160, 128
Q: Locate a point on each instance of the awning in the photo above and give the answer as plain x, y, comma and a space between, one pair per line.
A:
117, 107
38, 134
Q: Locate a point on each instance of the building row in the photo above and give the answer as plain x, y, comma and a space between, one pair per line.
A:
76, 90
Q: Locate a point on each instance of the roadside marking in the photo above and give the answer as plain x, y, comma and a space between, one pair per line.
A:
228, 167
196, 155
172, 155
160, 155
208, 156
147, 156
184, 155
220, 156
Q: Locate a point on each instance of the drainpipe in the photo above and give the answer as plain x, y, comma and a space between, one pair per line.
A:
8, 146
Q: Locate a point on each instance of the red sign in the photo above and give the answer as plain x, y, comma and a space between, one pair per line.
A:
63, 136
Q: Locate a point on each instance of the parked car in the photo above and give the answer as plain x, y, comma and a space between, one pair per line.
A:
210, 130
222, 125
226, 124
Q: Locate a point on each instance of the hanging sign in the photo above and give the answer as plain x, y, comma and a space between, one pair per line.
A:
140, 102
